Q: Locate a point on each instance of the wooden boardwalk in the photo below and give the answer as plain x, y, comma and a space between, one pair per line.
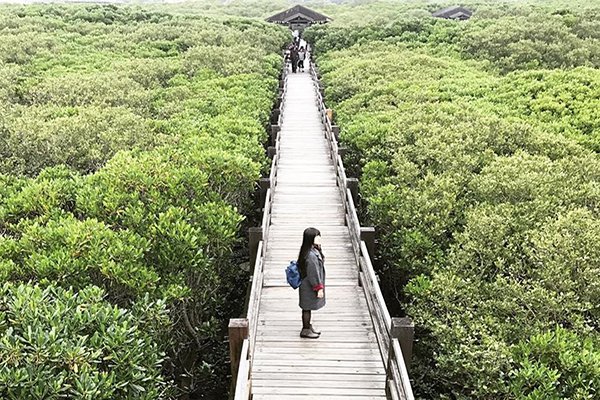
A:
345, 362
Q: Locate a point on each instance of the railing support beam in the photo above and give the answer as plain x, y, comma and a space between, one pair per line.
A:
352, 184
336, 132
367, 234
238, 331
273, 134
263, 185
275, 115
255, 235
403, 329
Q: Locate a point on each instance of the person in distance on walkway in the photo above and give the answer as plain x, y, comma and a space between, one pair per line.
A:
301, 58
294, 58
312, 272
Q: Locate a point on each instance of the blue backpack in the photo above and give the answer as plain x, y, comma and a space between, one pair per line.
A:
293, 275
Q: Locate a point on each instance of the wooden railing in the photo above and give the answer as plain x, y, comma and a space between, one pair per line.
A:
390, 332
241, 351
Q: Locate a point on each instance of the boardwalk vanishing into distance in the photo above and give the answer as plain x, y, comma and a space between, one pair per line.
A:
358, 355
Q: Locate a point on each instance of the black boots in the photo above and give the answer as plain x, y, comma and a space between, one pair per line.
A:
308, 334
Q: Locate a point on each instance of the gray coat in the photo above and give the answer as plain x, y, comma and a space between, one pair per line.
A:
315, 276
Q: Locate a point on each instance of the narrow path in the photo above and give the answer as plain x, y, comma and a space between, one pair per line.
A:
345, 362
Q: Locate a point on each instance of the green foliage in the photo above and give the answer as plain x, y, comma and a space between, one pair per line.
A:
556, 365
565, 102
79, 253
79, 84
57, 343
529, 42
81, 137
50, 194
130, 144
517, 36
484, 186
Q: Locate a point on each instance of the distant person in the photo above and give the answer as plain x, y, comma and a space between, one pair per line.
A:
301, 58
312, 272
288, 54
294, 58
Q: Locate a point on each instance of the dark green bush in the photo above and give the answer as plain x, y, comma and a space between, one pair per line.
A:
59, 343
78, 253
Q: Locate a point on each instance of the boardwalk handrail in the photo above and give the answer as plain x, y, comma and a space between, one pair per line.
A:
243, 382
397, 381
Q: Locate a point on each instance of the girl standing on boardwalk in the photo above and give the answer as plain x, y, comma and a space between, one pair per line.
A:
312, 272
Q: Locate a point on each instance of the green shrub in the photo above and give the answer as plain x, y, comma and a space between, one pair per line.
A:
50, 195
141, 134
108, 89
78, 253
557, 364
485, 202
83, 138
57, 343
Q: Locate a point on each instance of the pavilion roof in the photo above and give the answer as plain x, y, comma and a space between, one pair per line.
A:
289, 14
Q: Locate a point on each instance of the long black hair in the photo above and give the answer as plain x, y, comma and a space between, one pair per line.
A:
308, 241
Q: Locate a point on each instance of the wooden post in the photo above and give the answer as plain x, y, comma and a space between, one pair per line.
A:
255, 235
403, 329
263, 185
273, 136
352, 184
271, 151
275, 116
329, 113
238, 331
368, 235
336, 132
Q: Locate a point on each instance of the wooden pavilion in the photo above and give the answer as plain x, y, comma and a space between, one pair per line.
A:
298, 18
455, 12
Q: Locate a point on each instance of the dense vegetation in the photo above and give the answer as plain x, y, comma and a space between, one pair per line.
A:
130, 143
476, 143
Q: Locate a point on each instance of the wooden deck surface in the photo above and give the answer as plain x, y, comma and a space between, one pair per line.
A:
345, 362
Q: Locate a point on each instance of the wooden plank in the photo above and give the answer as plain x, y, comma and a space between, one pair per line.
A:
317, 363
329, 370
312, 397
280, 283
311, 344
280, 293
309, 389
324, 338
322, 382
309, 377
343, 324
320, 318
369, 355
